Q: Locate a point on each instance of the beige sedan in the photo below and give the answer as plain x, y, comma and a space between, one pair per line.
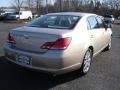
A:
59, 42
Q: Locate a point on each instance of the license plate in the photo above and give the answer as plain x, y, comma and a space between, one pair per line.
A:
22, 59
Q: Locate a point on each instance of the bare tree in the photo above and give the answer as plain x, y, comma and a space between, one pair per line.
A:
66, 5
38, 4
92, 6
18, 4
76, 4
30, 4
58, 4
46, 6
115, 4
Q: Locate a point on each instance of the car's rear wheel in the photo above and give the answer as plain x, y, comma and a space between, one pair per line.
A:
29, 18
108, 46
86, 62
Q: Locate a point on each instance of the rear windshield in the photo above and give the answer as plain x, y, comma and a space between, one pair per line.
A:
55, 21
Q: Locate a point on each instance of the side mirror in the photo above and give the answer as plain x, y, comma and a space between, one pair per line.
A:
107, 25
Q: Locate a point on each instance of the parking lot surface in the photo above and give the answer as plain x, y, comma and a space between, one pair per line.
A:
104, 73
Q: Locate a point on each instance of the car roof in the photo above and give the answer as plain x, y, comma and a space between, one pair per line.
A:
72, 13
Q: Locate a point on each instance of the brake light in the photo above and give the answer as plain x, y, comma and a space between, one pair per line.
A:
61, 43
11, 39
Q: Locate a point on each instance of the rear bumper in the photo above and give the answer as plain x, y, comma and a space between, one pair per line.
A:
51, 62
47, 70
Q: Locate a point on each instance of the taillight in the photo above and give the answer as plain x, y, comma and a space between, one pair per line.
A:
11, 39
61, 43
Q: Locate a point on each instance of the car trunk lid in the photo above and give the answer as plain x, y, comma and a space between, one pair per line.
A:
27, 39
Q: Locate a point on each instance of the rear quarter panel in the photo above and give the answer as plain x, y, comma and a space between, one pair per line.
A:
79, 45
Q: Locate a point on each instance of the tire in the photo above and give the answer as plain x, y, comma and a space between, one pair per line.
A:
108, 46
110, 25
18, 19
86, 62
29, 18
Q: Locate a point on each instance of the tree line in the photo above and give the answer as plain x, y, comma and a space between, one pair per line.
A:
100, 7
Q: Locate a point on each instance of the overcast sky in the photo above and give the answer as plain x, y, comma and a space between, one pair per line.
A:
5, 3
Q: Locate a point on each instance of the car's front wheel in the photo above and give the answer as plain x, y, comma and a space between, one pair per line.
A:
108, 46
86, 62
18, 19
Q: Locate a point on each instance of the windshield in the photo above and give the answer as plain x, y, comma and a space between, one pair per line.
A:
2, 11
55, 21
108, 16
16, 13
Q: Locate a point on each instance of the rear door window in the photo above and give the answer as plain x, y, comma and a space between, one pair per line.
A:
100, 22
92, 23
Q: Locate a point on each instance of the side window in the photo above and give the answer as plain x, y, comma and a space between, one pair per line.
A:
100, 22
92, 22
88, 25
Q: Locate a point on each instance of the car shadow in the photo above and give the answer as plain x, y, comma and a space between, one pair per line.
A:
14, 77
